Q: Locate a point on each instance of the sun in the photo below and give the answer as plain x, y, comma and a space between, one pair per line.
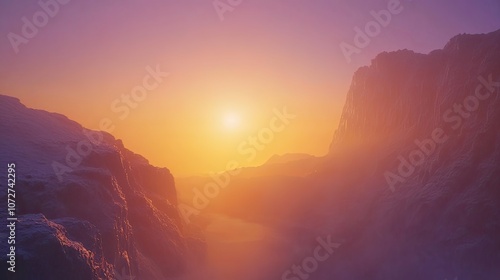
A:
231, 120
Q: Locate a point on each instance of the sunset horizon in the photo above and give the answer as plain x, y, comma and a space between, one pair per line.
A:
247, 67
250, 140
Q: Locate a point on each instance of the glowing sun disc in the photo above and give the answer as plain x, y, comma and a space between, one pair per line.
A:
231, 120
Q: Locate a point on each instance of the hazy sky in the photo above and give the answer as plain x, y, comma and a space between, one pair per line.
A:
227, 73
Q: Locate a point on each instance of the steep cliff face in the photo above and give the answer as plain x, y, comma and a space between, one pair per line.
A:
417, 159
403, 94
87, 208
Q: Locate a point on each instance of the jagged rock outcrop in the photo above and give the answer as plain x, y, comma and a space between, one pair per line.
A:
87, 207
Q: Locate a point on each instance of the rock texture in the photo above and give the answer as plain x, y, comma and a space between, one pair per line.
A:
88, 208
441, 218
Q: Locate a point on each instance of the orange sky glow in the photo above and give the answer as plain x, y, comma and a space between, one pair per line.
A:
226, 78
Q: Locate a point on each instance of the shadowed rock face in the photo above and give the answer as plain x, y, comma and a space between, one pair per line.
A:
442, 219
107, 214
403, 94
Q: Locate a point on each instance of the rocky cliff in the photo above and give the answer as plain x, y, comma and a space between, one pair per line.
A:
87, 207
414, 173
404, 94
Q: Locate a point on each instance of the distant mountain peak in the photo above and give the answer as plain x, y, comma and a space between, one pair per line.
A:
289, 157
